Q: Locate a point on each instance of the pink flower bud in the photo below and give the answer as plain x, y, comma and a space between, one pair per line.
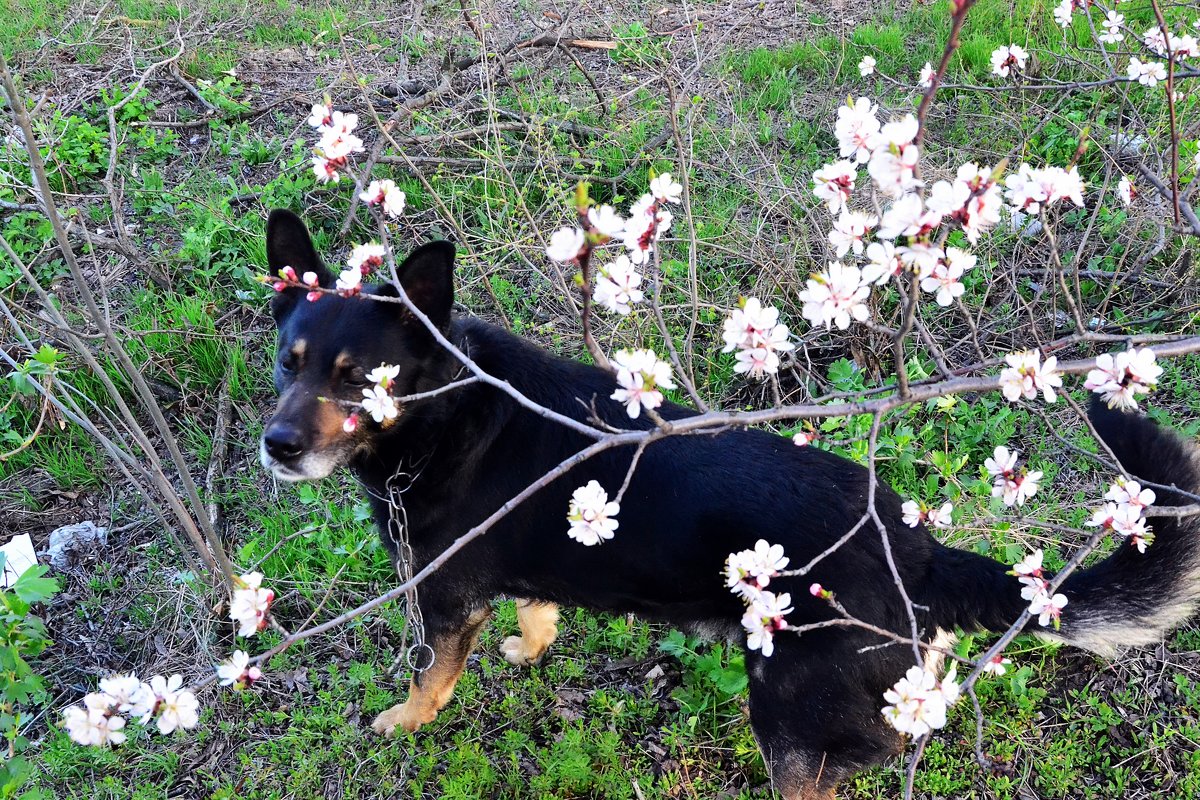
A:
288, 274
816, 590
351, 423
310, 279
800, 440
253, 674
279, 286
313, 296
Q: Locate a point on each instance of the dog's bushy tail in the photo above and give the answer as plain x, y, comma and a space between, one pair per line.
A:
1129, 598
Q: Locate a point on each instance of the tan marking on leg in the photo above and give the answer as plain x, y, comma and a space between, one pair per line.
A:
796, 777
432, 689
804, 789
539, 626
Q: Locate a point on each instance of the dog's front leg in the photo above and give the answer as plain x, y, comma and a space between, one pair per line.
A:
539, 626
432, 688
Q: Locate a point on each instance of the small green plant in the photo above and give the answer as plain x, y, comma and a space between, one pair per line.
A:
714, 677
36, 370
22, 638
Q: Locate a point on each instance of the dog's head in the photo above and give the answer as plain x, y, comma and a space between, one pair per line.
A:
327, 347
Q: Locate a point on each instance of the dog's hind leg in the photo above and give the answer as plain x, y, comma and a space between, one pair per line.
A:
539, 626
815, 707
432, 688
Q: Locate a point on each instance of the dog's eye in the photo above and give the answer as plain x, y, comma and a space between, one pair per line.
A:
356, 380
288, 365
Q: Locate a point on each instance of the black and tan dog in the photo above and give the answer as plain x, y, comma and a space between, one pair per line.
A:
815, 704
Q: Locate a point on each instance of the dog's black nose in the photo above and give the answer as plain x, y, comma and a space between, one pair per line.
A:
283, 442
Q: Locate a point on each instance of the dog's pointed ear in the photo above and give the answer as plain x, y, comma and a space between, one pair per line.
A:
427, 276
289, 245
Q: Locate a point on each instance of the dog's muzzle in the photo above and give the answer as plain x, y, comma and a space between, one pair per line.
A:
285, 452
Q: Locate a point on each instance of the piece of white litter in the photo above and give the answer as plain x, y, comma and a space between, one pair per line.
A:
18, 557
71, 542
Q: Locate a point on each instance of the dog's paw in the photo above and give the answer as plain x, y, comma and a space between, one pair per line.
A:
404, 716
516, 651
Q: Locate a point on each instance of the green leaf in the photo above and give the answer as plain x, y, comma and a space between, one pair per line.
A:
675, 644
33, 588
47, 356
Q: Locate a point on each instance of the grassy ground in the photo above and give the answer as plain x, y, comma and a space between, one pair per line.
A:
620, 708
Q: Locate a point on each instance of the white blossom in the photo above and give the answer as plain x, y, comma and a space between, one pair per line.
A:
748, 571
617, 285
907, 217
856, 129
1008, 58
1030, 565
1130, 493
349, 281
236, 670
665, 189
1026, 375
927, 75
1012, 487
606, 220
1125, 190
385, 193
849, 230
379, 404
1155, 41
1048, 608
883, 263
1182, 47
945, 281
1063, 11
338, 142
366, 257
1119, 378
249, 604
915, 513
383, 375
591, 516
897, 133
755, 332
918, 703
1029, 189
646, 221
92, 727
640, 376
325, 170
894, 169
763, 618
320, 116
833, 184
866, 66
940, 517
1146, 73
835, 296
178, 709
1112, 22
128, 694
996, 666
565, 244
1124, 513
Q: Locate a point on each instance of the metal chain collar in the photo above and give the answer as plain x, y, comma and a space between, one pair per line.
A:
419, 656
